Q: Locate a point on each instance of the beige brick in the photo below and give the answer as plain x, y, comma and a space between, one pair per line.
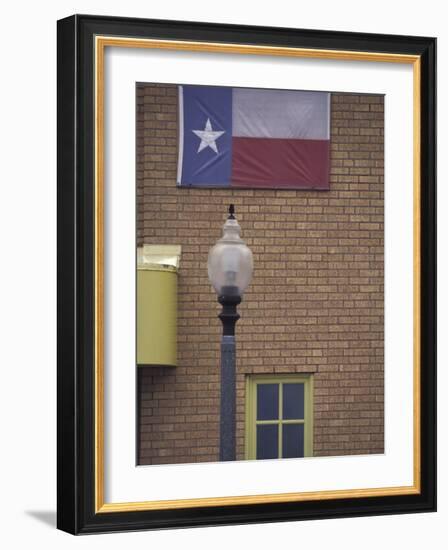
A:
315, 304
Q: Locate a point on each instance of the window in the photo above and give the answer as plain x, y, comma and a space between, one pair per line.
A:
279, 416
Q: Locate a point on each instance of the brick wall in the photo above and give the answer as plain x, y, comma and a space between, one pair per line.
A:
315, 304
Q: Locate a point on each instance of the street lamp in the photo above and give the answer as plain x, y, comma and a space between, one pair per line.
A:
230, 267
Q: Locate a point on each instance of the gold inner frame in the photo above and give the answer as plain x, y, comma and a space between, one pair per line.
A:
101, 42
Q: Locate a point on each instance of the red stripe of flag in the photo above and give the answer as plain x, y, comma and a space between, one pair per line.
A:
268, 162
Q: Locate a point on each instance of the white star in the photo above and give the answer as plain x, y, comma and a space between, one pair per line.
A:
208, 137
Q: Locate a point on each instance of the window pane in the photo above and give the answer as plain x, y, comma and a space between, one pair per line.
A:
267, 441
293, 401
267, 401
293, 440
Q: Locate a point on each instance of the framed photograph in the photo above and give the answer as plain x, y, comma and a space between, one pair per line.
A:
246, 274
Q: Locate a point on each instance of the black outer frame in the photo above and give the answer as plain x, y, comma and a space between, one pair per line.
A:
75, 381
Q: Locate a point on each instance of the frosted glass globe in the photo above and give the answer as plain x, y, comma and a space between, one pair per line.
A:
230, 262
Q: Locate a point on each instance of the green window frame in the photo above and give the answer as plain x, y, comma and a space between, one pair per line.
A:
252, 383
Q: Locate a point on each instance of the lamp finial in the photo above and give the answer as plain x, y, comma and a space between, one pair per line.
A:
231, 212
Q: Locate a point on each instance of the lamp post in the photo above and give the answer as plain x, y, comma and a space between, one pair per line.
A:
230, 267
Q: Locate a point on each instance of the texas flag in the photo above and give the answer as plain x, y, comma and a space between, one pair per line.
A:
251, 137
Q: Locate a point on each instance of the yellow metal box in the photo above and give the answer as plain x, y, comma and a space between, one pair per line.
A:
157, 268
